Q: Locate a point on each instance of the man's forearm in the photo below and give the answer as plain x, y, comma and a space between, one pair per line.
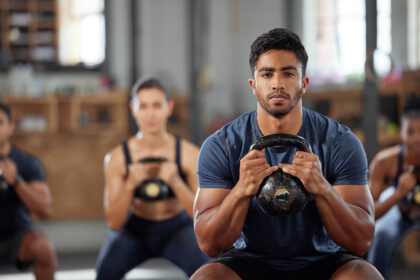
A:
348, 225
219, 227
35, 197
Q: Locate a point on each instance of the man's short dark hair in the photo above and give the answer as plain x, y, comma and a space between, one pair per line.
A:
148, 82
6, 110
278, 39
411, 107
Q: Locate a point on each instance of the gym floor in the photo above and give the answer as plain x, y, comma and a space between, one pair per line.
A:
81, 267
77, 244
77, 254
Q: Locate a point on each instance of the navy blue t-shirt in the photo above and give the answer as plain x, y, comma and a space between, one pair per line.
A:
13, 213
285, 242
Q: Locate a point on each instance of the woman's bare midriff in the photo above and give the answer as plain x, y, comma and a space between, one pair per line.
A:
157, 210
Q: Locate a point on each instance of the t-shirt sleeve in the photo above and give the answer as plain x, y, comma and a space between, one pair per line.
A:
33, 170
213, 165
349, 161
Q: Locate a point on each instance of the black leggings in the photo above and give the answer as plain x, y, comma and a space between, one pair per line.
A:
141, 239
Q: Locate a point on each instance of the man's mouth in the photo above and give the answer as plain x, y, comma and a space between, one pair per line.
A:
278, 97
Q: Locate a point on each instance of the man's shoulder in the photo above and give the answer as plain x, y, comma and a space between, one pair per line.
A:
233, 136
238, 126
327, 125
321, 119
19, 154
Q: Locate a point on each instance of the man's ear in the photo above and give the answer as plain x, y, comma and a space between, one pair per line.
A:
252, 85
305, 82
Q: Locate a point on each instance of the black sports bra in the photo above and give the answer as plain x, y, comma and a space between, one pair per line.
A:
128, 160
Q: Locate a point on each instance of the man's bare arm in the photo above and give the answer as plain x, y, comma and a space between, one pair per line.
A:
219, 214
347, 212
36, 196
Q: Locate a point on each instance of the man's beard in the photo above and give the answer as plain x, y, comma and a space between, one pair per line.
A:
278, 113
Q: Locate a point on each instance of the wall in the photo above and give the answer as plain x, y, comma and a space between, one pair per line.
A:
163, 42
119, 42
399, 28
232, 27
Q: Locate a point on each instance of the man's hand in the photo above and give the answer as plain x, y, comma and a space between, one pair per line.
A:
253, 169
9, 171
307, 167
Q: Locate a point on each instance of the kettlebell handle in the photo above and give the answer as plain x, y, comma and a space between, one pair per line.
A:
281, 139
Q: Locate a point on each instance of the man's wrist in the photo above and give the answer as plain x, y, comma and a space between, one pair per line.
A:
18, 180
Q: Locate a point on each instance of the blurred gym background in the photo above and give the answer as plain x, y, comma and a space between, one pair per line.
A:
66, 68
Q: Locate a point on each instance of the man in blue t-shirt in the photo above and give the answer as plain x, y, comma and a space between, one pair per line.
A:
323, 240
23, 191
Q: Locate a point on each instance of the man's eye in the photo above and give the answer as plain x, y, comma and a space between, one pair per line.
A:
289, 74
266, 75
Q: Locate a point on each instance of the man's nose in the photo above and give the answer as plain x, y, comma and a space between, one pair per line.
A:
277, 83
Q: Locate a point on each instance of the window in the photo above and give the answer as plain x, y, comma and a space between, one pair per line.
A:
335, 36
413, 38
82, 32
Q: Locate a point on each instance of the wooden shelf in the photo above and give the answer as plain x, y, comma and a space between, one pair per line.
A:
34, 115
72, 151
20, 23
346, 106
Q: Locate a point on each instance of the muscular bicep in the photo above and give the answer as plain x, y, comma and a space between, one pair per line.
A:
357, 195
208, 198
42, 189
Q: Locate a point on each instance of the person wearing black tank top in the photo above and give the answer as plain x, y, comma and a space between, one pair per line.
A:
393, 180
150, 184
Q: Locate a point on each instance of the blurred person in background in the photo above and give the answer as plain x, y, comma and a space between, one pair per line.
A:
394, 178
23, 191
147, 220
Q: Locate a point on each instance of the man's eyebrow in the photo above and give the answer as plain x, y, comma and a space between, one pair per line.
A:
268, 69
289, 67
284, 68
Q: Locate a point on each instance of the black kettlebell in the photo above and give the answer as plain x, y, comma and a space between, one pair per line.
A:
153, 189
281, 193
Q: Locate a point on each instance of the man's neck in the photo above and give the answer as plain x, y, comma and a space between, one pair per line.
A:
286, 124
5, 148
